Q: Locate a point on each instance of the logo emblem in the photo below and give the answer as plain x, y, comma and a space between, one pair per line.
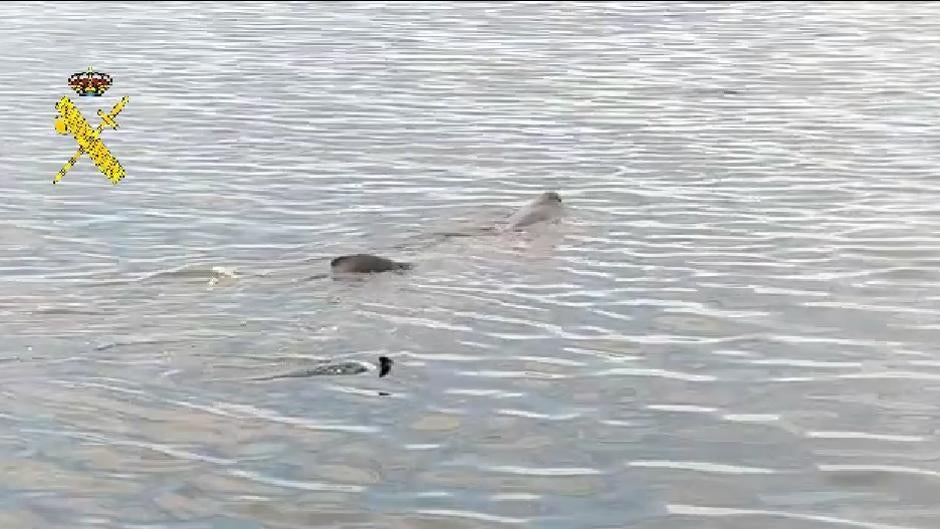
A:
70, 121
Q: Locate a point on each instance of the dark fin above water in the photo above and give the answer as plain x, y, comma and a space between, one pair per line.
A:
365, 264
385, 365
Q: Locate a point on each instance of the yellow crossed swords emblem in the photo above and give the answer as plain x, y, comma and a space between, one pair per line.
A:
71, 121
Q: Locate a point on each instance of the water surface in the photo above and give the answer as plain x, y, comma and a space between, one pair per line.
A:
735, 327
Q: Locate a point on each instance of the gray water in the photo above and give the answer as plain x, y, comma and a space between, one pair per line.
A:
735, 326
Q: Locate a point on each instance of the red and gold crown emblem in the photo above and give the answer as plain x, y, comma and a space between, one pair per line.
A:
90, 83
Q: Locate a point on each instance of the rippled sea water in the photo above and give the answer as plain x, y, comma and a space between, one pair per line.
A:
736, 325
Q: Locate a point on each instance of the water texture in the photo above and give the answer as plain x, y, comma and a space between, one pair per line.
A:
734, 327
